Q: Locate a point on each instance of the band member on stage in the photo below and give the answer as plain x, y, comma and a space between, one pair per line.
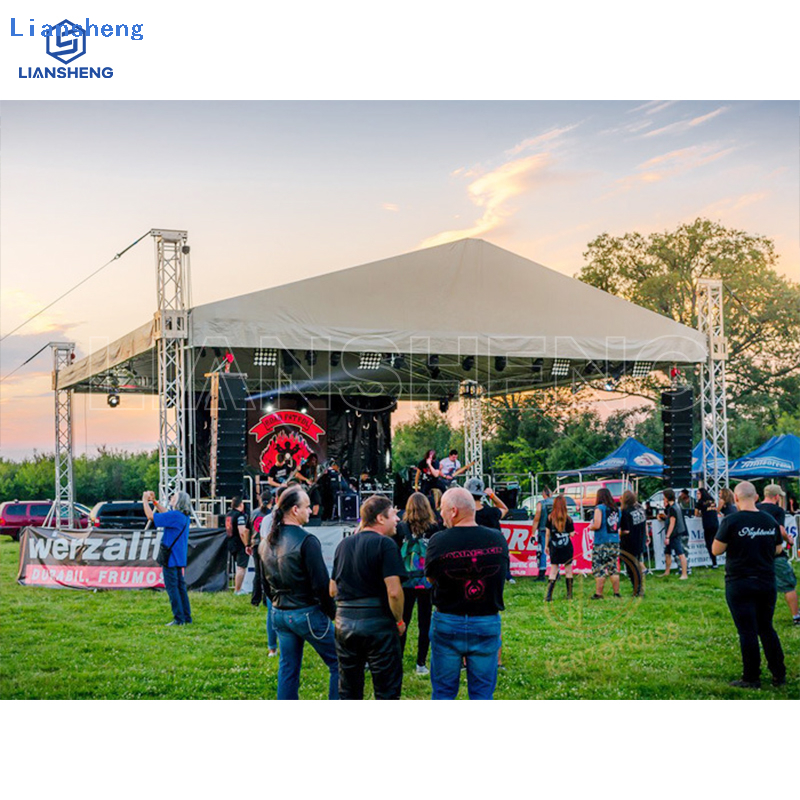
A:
281, 470
449, 466
428, 475
307, 475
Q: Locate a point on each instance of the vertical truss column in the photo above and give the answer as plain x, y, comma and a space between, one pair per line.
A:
64, 500
714, 409
172, 280
470, 393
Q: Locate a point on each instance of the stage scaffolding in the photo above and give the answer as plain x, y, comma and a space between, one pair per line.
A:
714, 409
471, 394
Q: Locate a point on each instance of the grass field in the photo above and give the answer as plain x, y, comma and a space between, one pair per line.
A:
677, 642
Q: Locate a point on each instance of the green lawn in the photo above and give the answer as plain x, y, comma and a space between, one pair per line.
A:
678, 642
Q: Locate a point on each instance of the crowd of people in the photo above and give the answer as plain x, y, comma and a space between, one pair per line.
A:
446, 556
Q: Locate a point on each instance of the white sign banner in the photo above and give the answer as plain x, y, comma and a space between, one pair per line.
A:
697, 552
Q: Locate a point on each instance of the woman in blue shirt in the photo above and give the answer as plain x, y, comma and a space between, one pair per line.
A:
605, 553
175, 523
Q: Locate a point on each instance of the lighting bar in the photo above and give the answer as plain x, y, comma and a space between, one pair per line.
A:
266, 357
369, 360
641, 369
560, 368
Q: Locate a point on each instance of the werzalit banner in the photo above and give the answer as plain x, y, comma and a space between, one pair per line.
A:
96, 559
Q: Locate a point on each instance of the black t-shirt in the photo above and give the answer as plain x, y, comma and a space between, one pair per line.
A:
752, 537
489, 517
404, 532
676, 513
467, 566
634, 522
237, 518
425, 469
708, 510
729, 509
280, 474
779, 515
309, 472
361, 563
560, 539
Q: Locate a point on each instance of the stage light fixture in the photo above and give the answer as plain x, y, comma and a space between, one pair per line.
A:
113, 399
397, 361
560, 368
335, 359
468, 363
500, 363
269, 408
217, 352
311, 357
444, 404
537, 364
370, 361
303, 410
641, 369
287, 361
265, 357
433, 361
435, 372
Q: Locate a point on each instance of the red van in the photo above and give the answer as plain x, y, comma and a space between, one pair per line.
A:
585, 493
18, 514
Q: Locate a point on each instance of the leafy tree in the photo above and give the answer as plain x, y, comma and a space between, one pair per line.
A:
761, 308
428, 430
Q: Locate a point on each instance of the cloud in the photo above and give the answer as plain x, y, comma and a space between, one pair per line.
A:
390, 207
537, 141
652, 107
492, 192
686, 124
729, 205
668, 165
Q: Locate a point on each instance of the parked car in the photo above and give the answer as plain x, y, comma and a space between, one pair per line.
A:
18, 514
118, 515
584, 494
656, 501
529, 504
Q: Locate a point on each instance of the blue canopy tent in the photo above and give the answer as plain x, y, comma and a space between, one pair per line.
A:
631, 458
715, 457
777, 458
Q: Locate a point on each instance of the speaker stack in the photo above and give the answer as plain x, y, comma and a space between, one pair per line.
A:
676, 414
228, 433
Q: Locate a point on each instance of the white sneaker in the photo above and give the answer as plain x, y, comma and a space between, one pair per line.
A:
422, 670
272, 654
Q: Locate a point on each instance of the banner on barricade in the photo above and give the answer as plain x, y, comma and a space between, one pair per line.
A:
697, 554
100, 559
523, 547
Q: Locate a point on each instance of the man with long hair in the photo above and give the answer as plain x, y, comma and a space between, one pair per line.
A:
673, 536
297, 583
367, 575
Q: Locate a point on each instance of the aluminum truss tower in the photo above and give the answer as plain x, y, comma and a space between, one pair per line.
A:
714, 409
470, 394
173, 283
63, 508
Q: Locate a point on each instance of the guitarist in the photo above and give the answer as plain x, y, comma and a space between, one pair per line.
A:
307, 475
450, 468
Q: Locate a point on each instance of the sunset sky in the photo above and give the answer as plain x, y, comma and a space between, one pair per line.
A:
273, 192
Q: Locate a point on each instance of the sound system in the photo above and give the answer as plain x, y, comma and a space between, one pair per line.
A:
228, 433
677, 406
347, 505
508, 492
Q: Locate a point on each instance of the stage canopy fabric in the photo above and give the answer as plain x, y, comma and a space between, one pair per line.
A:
777, 458
715, 457
630, 458
467, 298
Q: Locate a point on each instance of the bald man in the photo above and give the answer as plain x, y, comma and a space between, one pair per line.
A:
467, 565
750, 540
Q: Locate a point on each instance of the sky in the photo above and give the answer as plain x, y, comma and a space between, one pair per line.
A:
271, 192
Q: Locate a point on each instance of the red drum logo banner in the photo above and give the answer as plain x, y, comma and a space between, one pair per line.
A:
291, 442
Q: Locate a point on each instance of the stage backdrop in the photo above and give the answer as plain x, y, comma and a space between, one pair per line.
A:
98, 559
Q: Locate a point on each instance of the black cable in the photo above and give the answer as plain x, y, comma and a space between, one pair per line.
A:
25, 362
61, 297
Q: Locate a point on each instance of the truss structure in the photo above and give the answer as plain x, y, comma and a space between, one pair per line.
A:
172, 280
62, 512
470, 394
714, 409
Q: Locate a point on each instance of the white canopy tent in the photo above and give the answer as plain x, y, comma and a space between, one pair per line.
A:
466, 299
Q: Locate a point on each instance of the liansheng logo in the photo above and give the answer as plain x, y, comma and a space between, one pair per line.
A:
66, 41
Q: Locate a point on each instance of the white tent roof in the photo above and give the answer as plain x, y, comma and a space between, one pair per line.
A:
464, 298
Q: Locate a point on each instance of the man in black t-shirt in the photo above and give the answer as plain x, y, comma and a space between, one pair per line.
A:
366, 582
467, 565
674, 535
751, 539
280, 471
785, 579
238, 541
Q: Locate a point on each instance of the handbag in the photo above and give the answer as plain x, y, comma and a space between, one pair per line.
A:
164, 552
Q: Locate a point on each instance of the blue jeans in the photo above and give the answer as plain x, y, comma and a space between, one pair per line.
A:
178, 596
455, 637
272, 636
295, 627
542, 555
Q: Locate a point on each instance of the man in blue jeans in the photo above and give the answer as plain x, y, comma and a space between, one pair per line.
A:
467, 566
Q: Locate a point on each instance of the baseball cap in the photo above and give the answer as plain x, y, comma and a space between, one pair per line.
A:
773, 490
475, 487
